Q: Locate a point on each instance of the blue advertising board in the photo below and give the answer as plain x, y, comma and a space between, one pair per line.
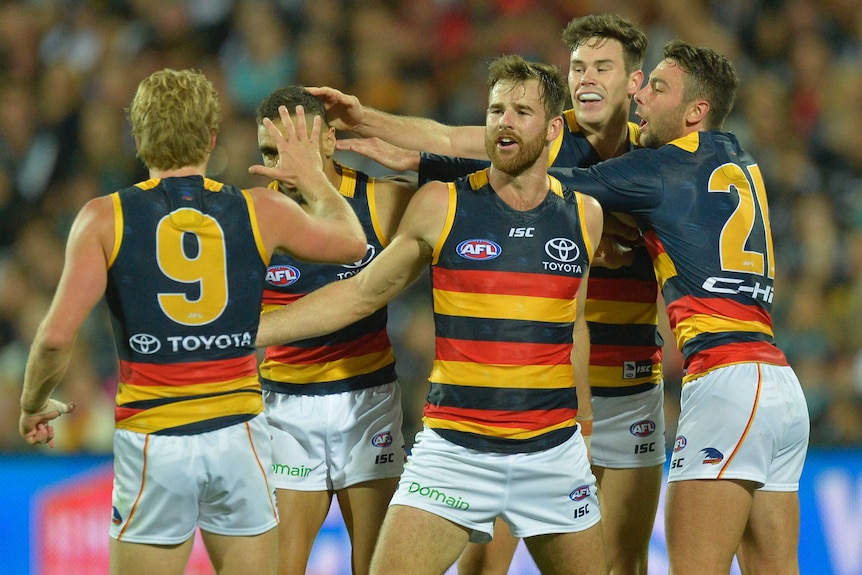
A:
41, 494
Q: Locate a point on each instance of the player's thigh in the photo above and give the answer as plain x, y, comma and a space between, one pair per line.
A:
579, 553
143, 559
629, 501
771, 539
231, 555
704, 523
492, 558
301, 514
415, 542
363, 507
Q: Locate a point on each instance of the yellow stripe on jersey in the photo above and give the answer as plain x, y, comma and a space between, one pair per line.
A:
517, 307
347, 187
447, 226
130, 393
191, 411
326, 371
371, 194
118, 227
697, 324
492, 430
664, 269
588, 242
620, 312
603, 376
501, 376
255, 228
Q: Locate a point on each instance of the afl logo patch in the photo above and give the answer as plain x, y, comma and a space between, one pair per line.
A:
145, 343
680, 443
282, 276
382, 439
642, 428
479, 249
580, 493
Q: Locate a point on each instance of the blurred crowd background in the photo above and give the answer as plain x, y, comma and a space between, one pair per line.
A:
68, 71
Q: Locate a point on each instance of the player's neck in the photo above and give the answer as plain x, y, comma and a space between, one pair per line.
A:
609, 140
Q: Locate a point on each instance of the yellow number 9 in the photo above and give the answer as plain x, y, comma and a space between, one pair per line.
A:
207, 268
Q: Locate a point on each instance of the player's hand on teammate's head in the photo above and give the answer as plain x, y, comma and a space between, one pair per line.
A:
343, 111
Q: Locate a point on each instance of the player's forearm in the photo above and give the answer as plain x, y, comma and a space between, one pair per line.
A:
423, 134
323, 311
46, 366
327, 204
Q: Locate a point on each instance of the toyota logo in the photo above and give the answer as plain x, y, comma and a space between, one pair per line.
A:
562, 249
369, 255
145, 343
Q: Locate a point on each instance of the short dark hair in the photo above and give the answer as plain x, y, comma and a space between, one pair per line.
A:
513, 68
291, 97
613, 27
709, 75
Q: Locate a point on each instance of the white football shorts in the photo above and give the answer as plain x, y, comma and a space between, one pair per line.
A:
745, 421
167, 485
329, 442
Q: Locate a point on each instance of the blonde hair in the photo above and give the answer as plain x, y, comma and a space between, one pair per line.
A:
173, 115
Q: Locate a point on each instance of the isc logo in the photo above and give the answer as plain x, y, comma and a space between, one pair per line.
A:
521, 232
281, 276
642, 428
478, 249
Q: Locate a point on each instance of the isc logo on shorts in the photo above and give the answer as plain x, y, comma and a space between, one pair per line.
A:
382, 439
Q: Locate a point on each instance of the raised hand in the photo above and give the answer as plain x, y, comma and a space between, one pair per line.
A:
298, 150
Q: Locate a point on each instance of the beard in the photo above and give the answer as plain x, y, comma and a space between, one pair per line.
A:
663, 129
514, 163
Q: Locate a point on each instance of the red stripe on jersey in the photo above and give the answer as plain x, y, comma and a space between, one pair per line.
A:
503, 353
653, 244
277, 297
619, 289
190, 373
614, 355
367, 344
687, 306
121, 413
505, 283
531, 419
743, 352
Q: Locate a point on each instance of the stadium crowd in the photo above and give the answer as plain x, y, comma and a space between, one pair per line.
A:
69, 68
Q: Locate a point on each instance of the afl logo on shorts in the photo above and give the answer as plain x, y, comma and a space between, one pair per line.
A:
580, 493
479, 249
642, 428
679, 444
382, 439
145, 343
281, 276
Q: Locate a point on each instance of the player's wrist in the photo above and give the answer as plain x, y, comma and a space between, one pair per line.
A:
28, 411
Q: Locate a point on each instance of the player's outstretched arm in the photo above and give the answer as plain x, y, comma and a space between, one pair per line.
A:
82, 285
341, 303
346, 113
